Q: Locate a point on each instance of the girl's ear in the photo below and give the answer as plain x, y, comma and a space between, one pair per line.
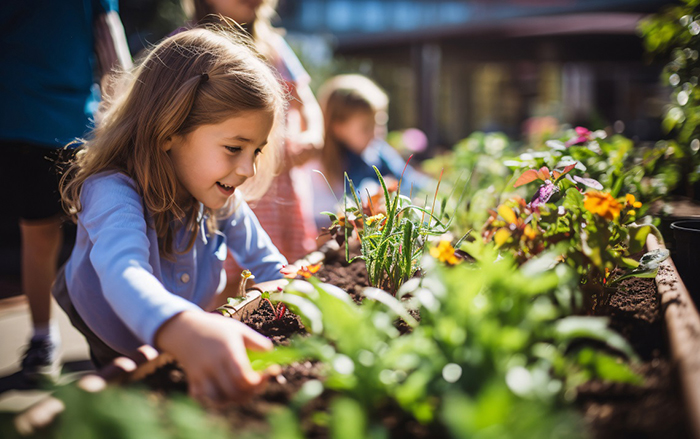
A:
168, 145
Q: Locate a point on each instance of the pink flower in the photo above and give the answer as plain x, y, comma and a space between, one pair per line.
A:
583, 136
543, 194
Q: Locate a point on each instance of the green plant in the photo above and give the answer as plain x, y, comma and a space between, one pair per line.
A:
495, 343
392, 236
596, 232
673, 33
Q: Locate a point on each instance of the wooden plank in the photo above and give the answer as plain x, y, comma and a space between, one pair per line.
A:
683, 327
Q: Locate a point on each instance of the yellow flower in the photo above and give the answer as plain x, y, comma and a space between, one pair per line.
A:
444, 252
632, 202
603, 204
501, 236
378, 217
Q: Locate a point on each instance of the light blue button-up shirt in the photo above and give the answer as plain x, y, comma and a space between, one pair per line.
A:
124, 289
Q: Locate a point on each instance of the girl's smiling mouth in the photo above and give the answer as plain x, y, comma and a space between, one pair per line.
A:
225, 189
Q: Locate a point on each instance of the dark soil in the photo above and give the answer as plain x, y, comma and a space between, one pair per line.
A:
350, 277
655, 409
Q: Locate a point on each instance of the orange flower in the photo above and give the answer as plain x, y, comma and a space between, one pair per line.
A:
603, 204
444, 252
306, 271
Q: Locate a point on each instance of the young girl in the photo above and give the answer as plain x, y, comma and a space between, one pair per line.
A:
286, 210
355, 113
155, 193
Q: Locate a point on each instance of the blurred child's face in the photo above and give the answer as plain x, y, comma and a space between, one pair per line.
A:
211, 161
243, 11
356, 132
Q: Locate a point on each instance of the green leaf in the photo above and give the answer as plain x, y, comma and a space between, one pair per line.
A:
285, 425
281, 355
648, 266
637, 237
348, 419
332, 216
595, 328
390, 302
407, 247
607, 367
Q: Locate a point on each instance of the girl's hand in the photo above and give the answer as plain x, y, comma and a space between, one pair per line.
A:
212, 350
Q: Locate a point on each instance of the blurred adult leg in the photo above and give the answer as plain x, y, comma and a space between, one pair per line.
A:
41, 243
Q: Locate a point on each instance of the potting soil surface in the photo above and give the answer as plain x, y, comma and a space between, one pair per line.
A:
654, 409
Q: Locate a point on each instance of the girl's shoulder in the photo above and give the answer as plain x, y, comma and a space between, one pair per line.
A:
114, 184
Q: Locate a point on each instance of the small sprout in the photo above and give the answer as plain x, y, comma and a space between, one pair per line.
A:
279, 310
245, 275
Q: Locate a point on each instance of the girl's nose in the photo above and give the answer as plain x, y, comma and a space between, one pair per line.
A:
246, 168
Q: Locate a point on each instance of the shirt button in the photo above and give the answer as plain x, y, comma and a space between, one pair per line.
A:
185, 278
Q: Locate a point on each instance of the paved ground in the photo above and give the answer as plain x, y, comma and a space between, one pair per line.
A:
16, 394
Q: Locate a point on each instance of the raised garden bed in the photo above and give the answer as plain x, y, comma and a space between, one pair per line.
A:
657, 409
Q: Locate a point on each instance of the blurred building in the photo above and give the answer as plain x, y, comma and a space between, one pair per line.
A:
453, 67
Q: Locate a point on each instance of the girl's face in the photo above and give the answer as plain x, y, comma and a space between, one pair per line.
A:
211, 161
356, 132
243, 11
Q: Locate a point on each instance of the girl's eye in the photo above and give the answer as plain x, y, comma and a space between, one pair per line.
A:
233, 149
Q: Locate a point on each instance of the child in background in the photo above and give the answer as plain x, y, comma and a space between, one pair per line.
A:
155, 192
286, 210
355, 114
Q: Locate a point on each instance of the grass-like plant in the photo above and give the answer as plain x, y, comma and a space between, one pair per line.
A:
392, 237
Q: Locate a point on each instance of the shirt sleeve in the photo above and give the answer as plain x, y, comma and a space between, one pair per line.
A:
250, 244
113, 216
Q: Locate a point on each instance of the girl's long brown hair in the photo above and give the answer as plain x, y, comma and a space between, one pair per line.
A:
197, 77
342, 97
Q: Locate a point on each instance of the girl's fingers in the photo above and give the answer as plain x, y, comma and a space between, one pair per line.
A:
255, 341
246, 378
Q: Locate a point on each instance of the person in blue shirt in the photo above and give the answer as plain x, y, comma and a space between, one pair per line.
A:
157, 193
48, 93
355, 115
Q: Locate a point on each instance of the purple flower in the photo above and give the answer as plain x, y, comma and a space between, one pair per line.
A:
543, 194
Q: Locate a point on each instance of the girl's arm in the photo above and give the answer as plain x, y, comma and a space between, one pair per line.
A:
250, 244
211, 348
121, 256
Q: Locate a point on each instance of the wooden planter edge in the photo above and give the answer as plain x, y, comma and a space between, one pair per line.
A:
683, 326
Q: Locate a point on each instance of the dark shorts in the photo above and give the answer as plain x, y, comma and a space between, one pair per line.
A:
29, 177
